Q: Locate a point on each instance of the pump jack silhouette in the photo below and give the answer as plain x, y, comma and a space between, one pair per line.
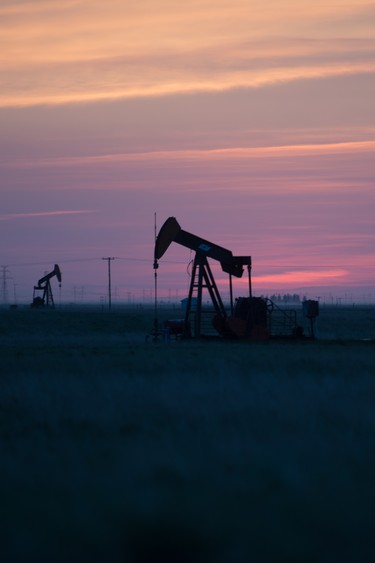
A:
44, 286
250, 317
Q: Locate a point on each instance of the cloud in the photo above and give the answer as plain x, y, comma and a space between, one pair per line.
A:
201, 155
85, 83
85, 52
298, 277
301, 278
11, 216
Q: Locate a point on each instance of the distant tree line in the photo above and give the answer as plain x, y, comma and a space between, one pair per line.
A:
286, 298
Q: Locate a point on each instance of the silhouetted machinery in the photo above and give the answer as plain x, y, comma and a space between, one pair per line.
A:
44, 287
311, 312
249, 317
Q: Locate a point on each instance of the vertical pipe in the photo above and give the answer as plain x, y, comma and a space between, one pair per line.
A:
249, 274
231, 293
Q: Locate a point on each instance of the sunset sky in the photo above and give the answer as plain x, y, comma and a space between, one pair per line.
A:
250, 121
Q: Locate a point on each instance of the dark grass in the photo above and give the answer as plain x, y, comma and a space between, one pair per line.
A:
121, 450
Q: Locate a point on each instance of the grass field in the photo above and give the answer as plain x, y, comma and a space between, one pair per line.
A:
116, 449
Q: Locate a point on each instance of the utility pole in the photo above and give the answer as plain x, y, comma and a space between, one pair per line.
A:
4, 283
109, 281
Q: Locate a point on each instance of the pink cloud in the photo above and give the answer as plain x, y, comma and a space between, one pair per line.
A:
10, 216
301, 278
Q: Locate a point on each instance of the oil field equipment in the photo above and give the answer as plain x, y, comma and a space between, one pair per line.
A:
248, 317
44, 287
311, 312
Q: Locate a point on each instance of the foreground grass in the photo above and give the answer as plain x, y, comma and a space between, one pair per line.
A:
114, 449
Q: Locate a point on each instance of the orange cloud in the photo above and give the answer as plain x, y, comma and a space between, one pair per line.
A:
64, 86
91, 51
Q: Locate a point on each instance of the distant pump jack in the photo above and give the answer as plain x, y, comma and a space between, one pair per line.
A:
44, 287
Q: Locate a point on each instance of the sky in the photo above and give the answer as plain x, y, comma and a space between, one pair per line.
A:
251, 122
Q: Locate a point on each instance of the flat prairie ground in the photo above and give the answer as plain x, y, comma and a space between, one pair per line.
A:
114, 448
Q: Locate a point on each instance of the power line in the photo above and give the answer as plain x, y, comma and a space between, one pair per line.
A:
73, 260
46, 262
259, 264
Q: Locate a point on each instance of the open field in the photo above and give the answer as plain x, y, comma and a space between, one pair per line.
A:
114, 449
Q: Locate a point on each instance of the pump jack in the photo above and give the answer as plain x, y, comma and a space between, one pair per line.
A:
250, 317
44, 285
